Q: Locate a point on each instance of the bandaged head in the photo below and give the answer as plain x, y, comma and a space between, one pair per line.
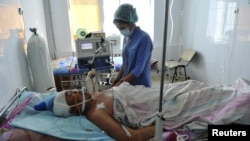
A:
127, 13
61, 108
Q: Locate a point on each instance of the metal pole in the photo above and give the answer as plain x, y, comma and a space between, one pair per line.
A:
159, 124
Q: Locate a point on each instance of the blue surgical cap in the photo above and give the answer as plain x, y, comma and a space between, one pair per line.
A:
127, 13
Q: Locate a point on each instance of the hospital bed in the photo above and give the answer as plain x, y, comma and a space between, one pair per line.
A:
21, 121
67, 75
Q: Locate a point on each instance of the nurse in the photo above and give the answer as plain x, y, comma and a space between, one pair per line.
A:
137, 48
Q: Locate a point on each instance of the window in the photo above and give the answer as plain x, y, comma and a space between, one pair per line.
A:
85, 14
222, 18
97, 15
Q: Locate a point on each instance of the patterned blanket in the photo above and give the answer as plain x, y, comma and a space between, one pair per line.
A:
188, 105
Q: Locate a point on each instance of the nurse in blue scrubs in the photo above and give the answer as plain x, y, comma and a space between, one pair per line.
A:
137, 48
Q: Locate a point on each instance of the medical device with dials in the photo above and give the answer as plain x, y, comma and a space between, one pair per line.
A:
94, 53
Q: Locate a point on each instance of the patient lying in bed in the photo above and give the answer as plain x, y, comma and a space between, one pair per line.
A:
129, 112
97, 107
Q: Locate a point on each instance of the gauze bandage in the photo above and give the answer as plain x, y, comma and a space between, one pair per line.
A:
61, 108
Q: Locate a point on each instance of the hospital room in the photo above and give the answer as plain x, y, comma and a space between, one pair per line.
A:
194, 81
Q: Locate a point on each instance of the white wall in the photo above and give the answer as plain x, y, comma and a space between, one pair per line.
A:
33, 13
14, 70
173, 42
217, 62
221, 61
61, 28
13, 65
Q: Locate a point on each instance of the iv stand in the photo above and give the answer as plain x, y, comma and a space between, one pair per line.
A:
91, 73
159, 120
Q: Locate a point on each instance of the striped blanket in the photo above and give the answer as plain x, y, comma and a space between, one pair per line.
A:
186, 105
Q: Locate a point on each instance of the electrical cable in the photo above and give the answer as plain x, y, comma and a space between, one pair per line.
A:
112, 63
228, 51
171, 32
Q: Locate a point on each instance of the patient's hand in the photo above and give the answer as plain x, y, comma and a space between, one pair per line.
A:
142, 134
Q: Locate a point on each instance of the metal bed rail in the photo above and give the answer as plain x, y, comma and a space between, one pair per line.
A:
13, 99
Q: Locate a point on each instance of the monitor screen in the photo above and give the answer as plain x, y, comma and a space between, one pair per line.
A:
87, 46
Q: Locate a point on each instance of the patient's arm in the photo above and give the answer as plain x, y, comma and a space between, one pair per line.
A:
113, 128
